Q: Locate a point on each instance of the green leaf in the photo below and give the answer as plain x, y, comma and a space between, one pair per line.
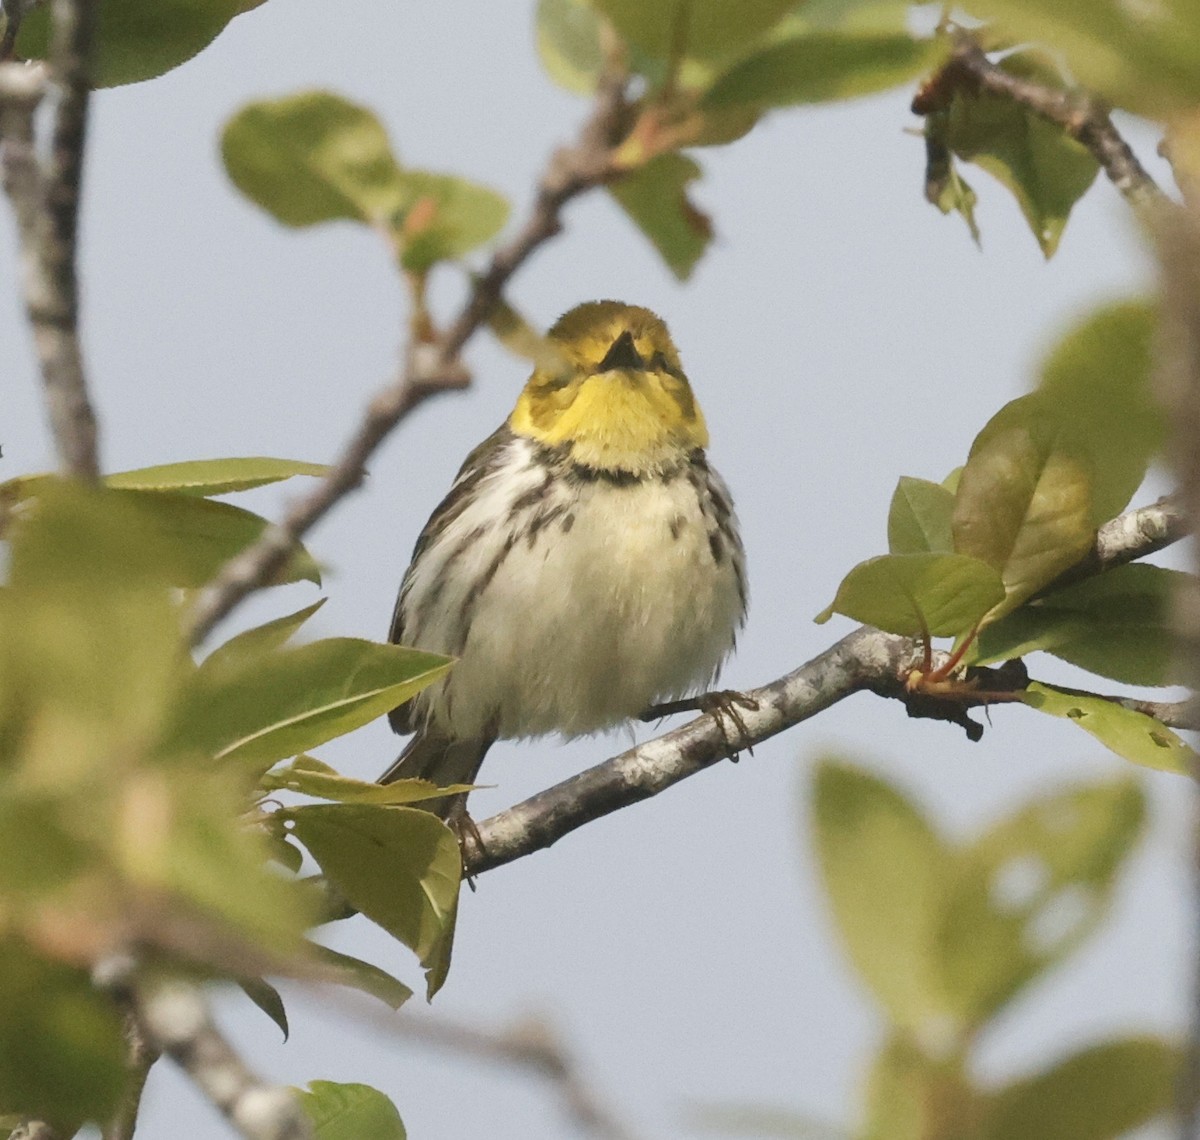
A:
1024, 499
711, 29
655, 197
350, 1112
285, 703
364, 976
1143, 59
213, 476
259, 640
1031, 889
568, 43
1123, 627
1130, 734
1046, 170
820, 67
1098, 378
310, 777
914, 594
945, 187
919, 518
398, 866
61, 1044
313, 157
883, 867
1025, 630
1099, 1093
910, 1096
138, 39
441, 217
268, 999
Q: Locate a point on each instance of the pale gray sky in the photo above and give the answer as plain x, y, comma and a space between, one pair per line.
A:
839, 334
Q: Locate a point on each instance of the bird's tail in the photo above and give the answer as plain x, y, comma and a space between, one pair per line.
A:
441, 760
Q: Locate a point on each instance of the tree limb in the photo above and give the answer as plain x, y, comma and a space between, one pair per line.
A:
430, 367
1080, 115
45, 199
867, 659
173, 1018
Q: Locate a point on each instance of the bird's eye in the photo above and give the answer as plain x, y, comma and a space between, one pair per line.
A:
660, 363
623, 354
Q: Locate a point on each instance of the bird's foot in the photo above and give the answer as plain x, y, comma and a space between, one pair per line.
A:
466, 831
725, 705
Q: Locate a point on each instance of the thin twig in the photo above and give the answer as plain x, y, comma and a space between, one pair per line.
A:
530, 1044
866, 660
45, 198
140, 1059
429, 368
1079, 114
174, 1018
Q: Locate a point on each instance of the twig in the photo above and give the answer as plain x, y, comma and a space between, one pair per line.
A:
531, 1044
429, 368
867, 659
1080, 115
45, 198
173, 1018
141, 1056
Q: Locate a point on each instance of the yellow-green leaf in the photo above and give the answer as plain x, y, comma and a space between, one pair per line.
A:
706, 29
1099, 1093
310, 777
364, 976
138, 39
285, 703
1130, 734
1031, 889
398, 866
917, 594
313, 157
655, 197
1024, 503
919, 518
568, 43
441, 217
350, 1112
259, 640
213, 476
883, 867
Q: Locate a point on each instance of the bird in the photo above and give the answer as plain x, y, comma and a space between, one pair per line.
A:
586, 564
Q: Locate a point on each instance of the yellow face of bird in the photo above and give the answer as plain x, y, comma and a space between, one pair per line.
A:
612, 388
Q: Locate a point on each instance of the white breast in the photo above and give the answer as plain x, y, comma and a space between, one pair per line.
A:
573, 605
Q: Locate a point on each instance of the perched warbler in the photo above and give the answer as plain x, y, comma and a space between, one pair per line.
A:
585, 564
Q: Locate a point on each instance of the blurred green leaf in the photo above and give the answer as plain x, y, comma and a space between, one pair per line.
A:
882, 865
945, 187
1099, 1093
1130, 734
1046, 170
819, 67
138, 39
62, 1050
313, 157
568, 43
295, 699
1098, 378
707, 29
259, 640
441, 217
213, 476
915, 594
919, 518
309, 776
350, 1112
364, 976
268, 999
1024, 499
1031, 889
1143, 58
398, 866
655, 197
910, 1096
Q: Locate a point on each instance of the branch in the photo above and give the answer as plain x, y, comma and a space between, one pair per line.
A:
140, 1059
45, 199
529, 1044
173, 1018
867, 659
1080, 115
431, 367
